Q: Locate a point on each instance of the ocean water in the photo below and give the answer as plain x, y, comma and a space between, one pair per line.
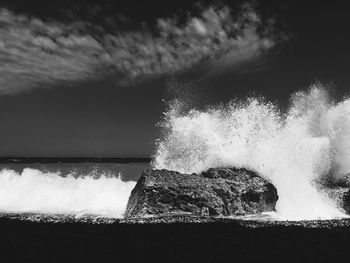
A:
80, 189
303, 151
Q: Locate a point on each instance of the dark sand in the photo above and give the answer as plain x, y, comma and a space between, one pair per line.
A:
176, 239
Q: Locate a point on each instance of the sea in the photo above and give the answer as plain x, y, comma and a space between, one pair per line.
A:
71, 210
64, 209
68, 186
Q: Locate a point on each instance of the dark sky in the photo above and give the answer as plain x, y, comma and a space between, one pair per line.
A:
46, 110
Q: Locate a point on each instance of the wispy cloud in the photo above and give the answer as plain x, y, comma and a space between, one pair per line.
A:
34, 52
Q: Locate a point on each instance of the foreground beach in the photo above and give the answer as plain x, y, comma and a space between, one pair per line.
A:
170, 239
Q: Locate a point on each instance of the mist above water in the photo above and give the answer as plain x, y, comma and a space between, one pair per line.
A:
293, 149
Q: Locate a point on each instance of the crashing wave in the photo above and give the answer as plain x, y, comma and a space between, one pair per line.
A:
34, 191
294, 149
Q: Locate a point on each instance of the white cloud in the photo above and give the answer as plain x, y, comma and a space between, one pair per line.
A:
35, 52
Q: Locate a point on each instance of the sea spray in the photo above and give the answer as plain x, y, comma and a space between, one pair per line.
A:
293, 149
34, 191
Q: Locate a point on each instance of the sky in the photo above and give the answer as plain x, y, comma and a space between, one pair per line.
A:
92, 78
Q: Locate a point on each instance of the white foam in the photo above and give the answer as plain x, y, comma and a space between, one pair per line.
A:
33, 191
292, 150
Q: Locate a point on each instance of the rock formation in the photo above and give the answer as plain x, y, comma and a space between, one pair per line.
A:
341, 195
218, 191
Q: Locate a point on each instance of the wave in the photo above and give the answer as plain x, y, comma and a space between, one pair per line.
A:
34, 191
293, 149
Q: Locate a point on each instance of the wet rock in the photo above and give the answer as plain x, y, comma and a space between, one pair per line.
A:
216, 192
346, 201
341, 195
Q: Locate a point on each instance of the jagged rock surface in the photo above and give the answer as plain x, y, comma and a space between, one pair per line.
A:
218, 191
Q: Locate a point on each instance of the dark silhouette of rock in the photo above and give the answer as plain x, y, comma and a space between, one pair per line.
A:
346, 201
218, 191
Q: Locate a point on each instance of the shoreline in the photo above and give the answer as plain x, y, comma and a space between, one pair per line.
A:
251, 221
216, 240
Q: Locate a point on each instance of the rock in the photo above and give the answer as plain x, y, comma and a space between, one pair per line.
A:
341, 195
216, 192
346, 201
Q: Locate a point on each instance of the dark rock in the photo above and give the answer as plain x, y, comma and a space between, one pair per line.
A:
216, 192
346, 201
341, 195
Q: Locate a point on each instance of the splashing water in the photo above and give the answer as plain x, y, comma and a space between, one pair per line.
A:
292, 150
34, 191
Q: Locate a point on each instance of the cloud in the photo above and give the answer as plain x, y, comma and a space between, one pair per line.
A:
36, 53
33, 52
